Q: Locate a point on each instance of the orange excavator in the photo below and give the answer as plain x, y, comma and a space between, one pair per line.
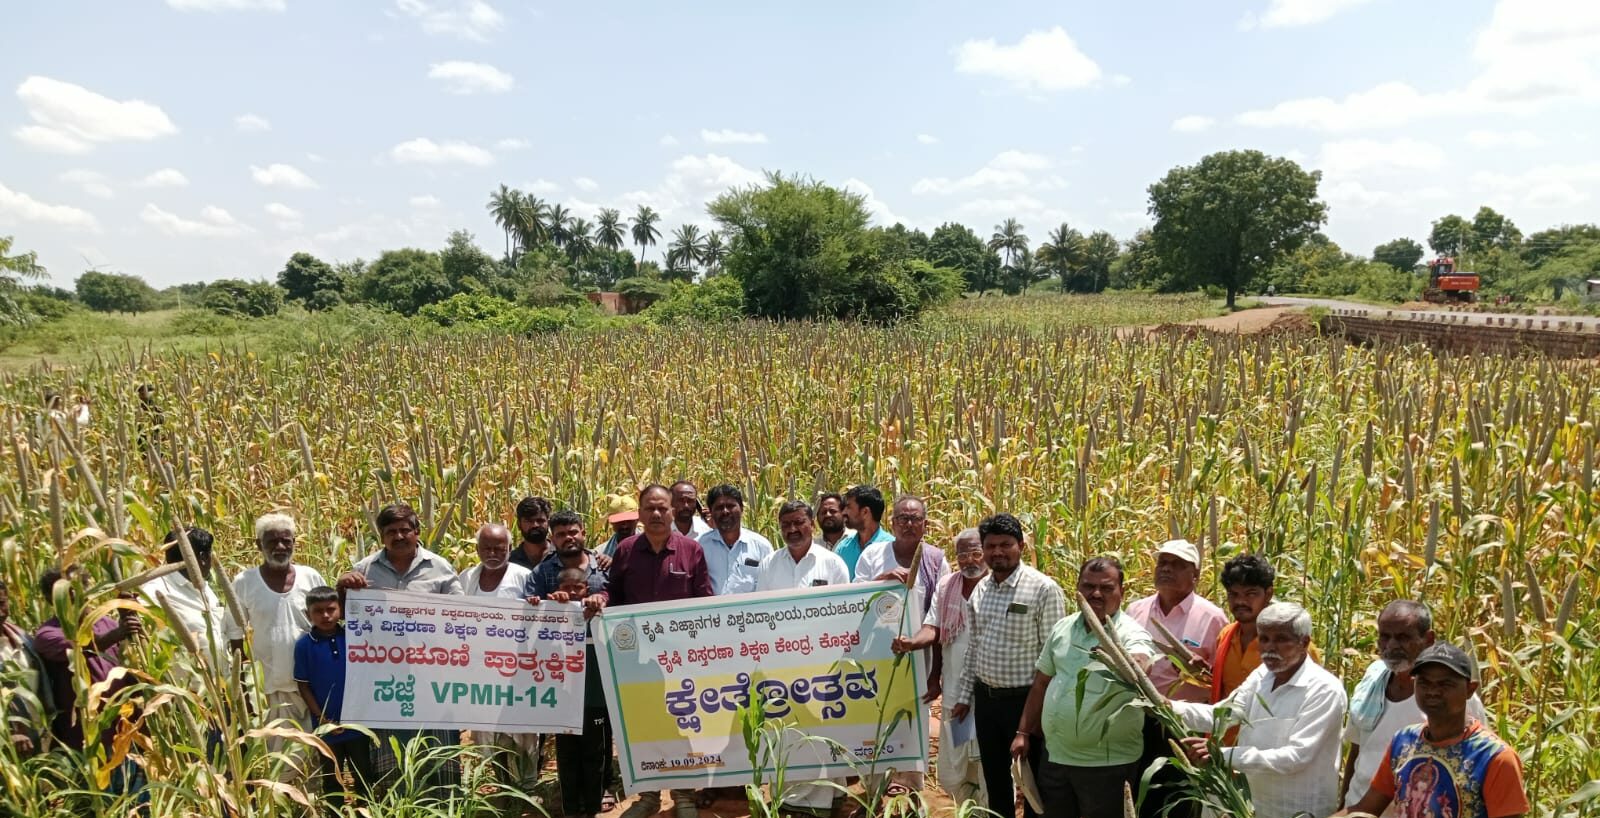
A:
1447, 285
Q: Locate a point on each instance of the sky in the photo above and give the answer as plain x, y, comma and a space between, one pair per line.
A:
190, 140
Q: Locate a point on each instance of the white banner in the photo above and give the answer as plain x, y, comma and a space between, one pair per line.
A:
417, 661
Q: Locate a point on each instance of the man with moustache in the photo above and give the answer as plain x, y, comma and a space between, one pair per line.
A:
686, 511
495, 575
831, 526
533, 521
272, 599
1385, 700
1289, 711
1195, 623
800, 564
733, 552
945, 627
1011, 615
863, 511
1248, 580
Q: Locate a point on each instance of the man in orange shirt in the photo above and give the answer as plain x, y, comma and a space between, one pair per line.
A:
1248, 580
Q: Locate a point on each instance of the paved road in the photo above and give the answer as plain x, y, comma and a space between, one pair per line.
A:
1446, 316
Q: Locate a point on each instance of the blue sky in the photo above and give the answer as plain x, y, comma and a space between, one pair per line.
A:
187, 140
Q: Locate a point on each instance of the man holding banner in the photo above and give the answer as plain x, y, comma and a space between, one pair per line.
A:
659, 565
802, 564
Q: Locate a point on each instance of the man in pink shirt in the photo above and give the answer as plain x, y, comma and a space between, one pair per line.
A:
1175, 613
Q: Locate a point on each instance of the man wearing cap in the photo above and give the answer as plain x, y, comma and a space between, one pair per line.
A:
1385, 699
1290, 711
622, 514
1452, 766
1184, 626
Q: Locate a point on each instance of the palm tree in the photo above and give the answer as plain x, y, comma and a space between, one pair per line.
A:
580, 241
713, 253
609, 232
687, 249
1099, 253
644, 229
532, 229
1062, 254
13, 269
558, 219
503, 206
1009, 239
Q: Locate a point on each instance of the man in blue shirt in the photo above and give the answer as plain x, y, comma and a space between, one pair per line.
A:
319, 673
863, 510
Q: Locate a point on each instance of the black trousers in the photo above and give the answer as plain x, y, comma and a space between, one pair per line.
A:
996, 713
1169, 785
583, 764
355, 756
1084, 792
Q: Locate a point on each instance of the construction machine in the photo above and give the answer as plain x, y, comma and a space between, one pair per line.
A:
1446, 284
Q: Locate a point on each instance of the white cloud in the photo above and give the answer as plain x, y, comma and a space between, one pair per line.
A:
586, 184
1040, 61
1543, 187
467, 19
1025, 208
542, 187
1352, 156
166, 177
424, 201
667, 140
462, 77
288, 219
251, 123
513, 144
1194, 123
1386, 105
1007, 170
16, 206
214, 222
226, 5
1291, 13
727, 136
92, 182
281, 175
1504, 139
72, 119
426, 151
927, 139
881, 213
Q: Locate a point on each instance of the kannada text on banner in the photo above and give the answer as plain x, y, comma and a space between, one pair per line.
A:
818, 659
417, 661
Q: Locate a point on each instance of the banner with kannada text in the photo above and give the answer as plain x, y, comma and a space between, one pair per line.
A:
417, 661
818, 659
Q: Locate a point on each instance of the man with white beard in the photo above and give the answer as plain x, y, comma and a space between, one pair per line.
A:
272, 598
495, 575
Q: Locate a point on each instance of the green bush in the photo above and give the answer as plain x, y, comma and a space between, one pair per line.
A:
719, 299
202, 323
474, 309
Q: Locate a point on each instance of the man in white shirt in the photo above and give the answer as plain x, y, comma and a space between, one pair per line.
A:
1385, 699
686, 516
831, 526
733, 552
495, 575
272, 598
198, 609
905, 557
801, 565
1290, 711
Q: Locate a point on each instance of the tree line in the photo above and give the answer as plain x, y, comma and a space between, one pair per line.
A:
791, 247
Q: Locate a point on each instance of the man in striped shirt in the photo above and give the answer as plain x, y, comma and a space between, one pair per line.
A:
1011, 615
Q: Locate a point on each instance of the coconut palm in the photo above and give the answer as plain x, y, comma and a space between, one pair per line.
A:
532, 229
1099, 253
580, 240
687, 249
558, 220
644, 229
713, 253
503, 206
1009, 239
1062, 253
609, 233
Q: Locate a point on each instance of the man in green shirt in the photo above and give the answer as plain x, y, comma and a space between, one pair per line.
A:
1094, 749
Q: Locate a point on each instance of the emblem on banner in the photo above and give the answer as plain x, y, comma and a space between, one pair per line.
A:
624, 637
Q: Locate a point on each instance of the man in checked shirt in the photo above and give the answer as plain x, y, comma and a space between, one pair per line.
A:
1011, 615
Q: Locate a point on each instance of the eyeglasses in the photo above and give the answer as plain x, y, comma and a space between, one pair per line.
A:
910, 518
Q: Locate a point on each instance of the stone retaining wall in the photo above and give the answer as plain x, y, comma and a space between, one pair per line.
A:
1448, 331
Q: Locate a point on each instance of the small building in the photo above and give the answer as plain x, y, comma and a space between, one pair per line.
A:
1591, 289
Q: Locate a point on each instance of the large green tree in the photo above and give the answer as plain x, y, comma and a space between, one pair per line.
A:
1540, 246
1227, 219
242, 299
14, 269
957, 247
304, 276
467, 267
802, 249
1401, 254
1062, 254
114, 292
1100, 251
404, 280
1492, 231
1450, 235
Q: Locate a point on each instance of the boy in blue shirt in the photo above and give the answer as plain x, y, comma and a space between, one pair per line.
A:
319, 671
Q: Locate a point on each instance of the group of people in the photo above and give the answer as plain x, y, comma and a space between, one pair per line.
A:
1017, 673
